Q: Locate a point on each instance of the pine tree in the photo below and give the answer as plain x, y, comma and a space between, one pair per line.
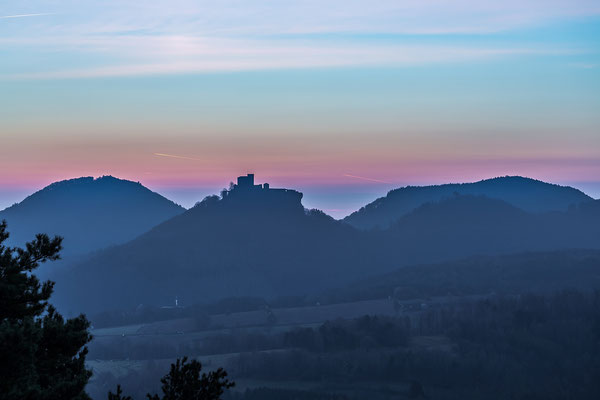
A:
184, 382
118, 395
42, 355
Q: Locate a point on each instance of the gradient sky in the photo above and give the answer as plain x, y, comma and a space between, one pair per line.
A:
343, 100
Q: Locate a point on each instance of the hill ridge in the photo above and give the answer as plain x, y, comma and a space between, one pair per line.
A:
91, 213
529, 194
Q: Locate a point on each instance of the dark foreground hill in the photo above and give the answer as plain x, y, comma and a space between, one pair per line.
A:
528, 194
89, 213
262, 242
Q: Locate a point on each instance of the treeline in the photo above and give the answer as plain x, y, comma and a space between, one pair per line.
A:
144, 314
527, 347
282, 394
517, 347
364, 332
539, 272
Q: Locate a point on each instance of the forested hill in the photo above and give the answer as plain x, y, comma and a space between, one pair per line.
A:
475, 225
511, 274
528, 194
271, 246
263, 245
89, 213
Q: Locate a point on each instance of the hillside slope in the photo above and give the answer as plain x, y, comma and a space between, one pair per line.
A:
272, 247
89, 213
511, 274
528, 194
222, 248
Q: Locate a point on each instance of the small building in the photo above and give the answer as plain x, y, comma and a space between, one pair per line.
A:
244, 182
246, 189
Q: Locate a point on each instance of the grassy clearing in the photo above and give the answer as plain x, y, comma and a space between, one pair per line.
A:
284, 318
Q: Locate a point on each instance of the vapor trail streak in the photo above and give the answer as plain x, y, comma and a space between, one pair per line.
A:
24, 15
176, 156
366, 179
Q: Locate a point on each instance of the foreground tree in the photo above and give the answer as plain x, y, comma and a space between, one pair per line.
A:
184, 382
118, 395
42, 355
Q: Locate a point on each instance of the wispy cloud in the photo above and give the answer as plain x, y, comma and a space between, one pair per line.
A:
585, 65
25, 15
125, 37
147, 55
262, 17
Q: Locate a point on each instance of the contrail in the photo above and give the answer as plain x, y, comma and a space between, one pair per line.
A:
176, 156
24, 15
366, 179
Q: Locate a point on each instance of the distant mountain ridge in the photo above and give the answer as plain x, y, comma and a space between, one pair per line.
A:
466, 225
90, 213
527, 194
262, 242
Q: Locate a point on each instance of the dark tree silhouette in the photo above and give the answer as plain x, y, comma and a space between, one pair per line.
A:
118, 395
415, 390
42, 356
184, 382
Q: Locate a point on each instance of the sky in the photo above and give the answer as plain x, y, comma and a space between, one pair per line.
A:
343, 100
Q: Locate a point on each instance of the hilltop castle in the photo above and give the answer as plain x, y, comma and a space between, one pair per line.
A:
246, 189
247, 183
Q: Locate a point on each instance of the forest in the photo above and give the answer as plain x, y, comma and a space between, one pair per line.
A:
523, 347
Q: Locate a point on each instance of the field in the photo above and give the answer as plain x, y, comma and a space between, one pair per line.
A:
182, 333
282, 318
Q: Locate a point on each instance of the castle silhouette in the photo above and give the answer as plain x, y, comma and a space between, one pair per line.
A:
246, 191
